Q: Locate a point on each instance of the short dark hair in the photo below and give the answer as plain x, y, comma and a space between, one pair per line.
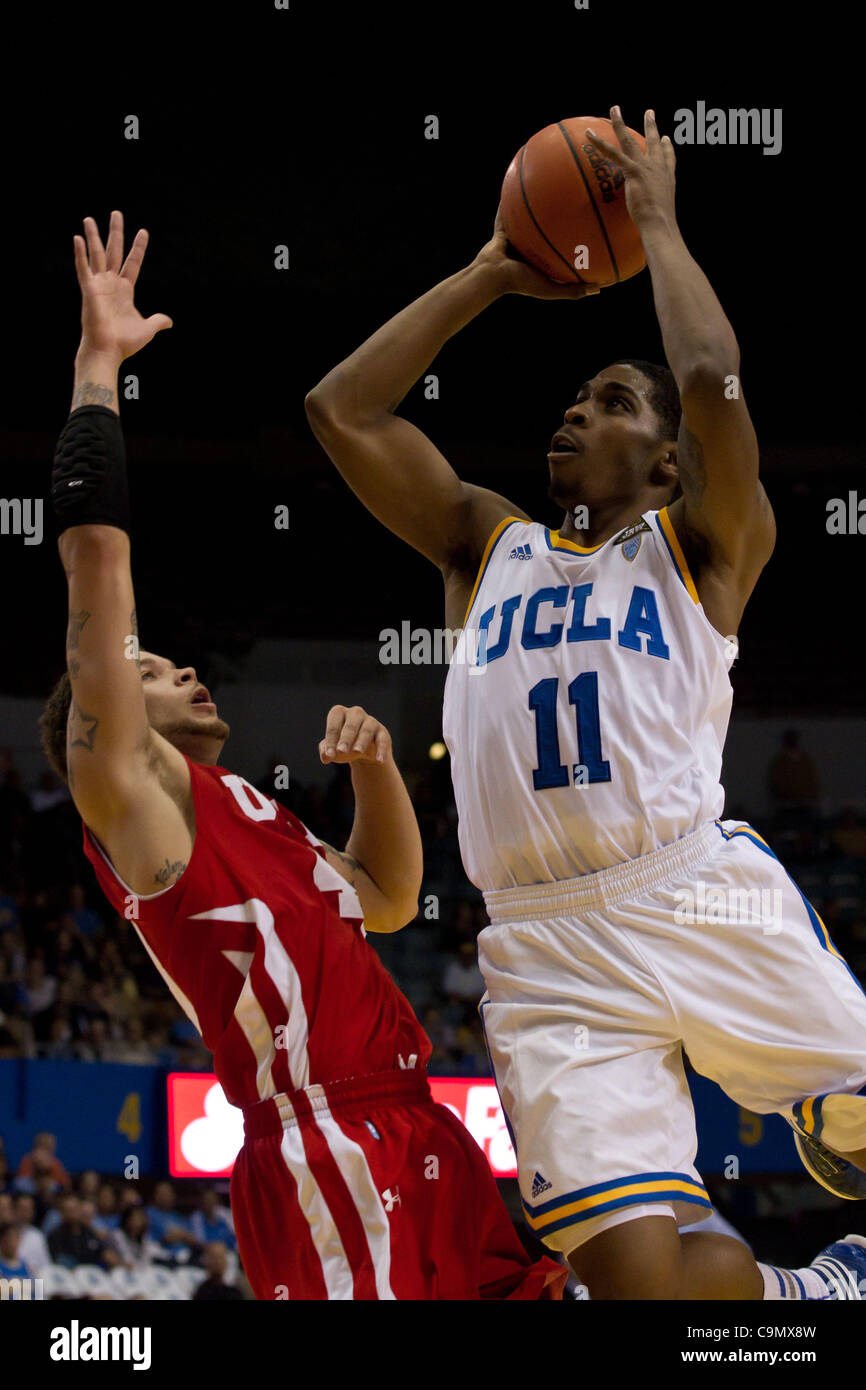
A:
664, 397
52, 725
664, 394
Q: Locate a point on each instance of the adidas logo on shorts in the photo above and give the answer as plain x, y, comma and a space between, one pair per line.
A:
539, 1185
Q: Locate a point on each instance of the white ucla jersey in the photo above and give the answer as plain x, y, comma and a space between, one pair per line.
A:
586, 704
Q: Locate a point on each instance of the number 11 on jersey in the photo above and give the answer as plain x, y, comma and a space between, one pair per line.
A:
583, 694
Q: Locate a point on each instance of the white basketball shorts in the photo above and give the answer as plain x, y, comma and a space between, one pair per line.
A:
596, 985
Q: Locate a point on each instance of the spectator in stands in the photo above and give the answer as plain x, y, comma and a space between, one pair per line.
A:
849, 837
92, 1046
132, 1244
7, 1208
61, 1046
74, 1242
11, 1264
166, 1226
8, 987
16, 1034
131, 1050
86, 920
214, 1288
46, 1194
40, 991
792, 780
10, 916
33, 1248
107, 1216
461, 979
42, 1159
213, 1222
88, 1186
4, 1167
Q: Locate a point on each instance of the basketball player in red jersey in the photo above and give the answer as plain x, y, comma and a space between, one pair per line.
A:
352, 1183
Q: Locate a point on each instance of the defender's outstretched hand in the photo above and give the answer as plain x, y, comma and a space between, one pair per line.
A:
516, 276
110, 322
352, 736
649, 177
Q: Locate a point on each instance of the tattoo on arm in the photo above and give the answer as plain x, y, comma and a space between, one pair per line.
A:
82, 728
351, 863
692, 469
91, 393
77, 622
170, 873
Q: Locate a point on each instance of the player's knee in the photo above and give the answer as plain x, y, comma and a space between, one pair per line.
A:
639, 1259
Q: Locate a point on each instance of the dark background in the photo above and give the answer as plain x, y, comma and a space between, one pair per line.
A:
306, 127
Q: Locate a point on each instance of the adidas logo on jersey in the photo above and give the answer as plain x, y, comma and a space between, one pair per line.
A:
521, 552
539, 1185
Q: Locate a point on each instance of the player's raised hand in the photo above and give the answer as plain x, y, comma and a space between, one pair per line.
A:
110, 322
516, 276
649, 175
352, 736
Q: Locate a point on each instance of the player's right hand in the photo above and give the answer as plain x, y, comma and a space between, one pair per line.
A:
515, 276
110, 323
352, 735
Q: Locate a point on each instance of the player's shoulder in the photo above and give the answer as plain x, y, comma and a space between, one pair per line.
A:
488, 515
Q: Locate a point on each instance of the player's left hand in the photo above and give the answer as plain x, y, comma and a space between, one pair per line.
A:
649, 177
354, 736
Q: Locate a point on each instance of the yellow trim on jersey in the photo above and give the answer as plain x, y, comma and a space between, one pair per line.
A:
559, 542
598, 1199
494, 537
679, 558
829, 944
751, 834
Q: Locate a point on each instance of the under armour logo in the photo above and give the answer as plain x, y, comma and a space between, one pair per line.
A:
391, 1199
407, 1066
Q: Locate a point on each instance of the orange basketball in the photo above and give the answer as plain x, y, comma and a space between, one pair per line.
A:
560, 194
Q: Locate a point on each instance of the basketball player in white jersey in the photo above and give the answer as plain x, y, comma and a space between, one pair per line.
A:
586, 709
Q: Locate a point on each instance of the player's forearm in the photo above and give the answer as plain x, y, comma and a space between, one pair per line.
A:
385, 838
695, 330
95, 380
379, 374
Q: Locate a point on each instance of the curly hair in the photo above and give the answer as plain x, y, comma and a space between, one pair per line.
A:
52, 725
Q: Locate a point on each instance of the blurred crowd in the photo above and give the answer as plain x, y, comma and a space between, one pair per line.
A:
77, 984
50, 1221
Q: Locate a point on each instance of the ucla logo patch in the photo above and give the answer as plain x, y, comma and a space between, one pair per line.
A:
630, 538
631, 547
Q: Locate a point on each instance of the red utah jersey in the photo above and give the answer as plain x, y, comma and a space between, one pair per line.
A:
262, 944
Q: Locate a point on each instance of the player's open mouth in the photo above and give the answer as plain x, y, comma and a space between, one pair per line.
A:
562, 449
202, 697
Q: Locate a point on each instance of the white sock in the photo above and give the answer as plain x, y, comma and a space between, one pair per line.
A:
805, 1284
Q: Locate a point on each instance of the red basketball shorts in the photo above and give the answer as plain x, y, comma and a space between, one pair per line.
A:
367, 1189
